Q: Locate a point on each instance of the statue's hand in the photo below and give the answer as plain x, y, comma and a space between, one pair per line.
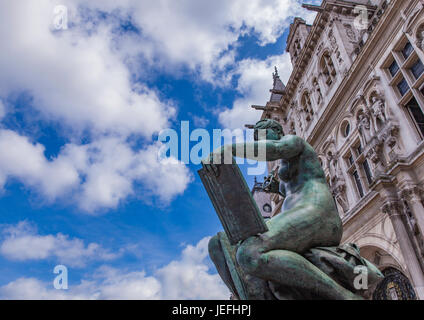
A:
271, 185
267, 183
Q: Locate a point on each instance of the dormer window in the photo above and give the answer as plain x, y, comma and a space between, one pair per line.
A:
297, 45
296, 48
307, 106
328, 68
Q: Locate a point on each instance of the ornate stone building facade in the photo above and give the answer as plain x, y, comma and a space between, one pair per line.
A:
356, 94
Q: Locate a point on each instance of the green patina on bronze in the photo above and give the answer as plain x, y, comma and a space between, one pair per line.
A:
233, 202
300, 256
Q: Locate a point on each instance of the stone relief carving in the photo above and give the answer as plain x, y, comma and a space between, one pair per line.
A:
412, 19
420, 37
333, 40
375, 154
350, 33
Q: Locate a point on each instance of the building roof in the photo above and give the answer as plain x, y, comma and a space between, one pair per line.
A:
293, 28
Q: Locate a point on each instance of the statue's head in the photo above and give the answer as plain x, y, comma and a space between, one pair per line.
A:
274, 130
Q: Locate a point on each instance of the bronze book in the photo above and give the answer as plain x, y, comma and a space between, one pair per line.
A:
233, 202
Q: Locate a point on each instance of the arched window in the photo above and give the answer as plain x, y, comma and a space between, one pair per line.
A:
345, 129
307, 106
328, 68
297, 45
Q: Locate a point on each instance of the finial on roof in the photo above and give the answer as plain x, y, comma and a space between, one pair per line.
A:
275, 76
276, 73
278, 88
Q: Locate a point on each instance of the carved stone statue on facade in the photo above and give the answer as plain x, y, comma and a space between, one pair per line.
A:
378, 110
317, 91
339, 193
420, 39
332, 164
292, 129
338, 185
299, 117
300, 256
364, 127
390, 138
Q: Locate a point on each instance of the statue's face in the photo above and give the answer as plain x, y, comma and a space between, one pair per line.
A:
271, 134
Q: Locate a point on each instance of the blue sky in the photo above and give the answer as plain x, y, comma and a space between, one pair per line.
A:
80, 111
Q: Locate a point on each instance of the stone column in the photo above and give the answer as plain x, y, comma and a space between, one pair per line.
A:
394, 210
412, 195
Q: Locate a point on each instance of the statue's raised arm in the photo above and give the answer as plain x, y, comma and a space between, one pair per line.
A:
285, 148
273, 145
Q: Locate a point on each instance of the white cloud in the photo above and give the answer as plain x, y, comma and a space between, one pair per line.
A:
23, 243
254, 84
79, 75
199, 122
81, 79
100, 175
199, 33
111, 169
24, 160
31, 289
187, 278
2, 110
74, 76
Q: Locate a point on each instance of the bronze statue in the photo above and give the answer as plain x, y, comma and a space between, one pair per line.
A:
300, 256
